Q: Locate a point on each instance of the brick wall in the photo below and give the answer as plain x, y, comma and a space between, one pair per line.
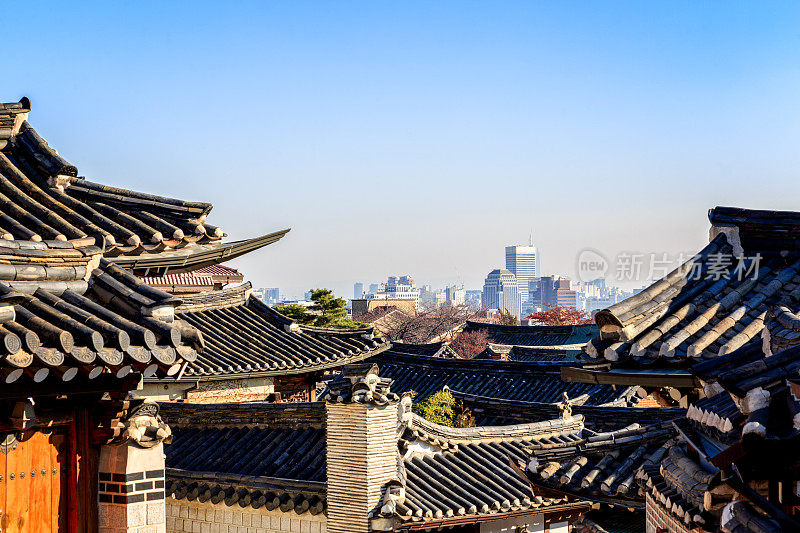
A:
361, 457
196, 517
659, 520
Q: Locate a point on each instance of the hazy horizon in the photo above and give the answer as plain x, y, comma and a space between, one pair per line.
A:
423, 138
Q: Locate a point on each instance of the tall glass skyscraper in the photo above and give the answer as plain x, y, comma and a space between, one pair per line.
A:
500, 292
523, 262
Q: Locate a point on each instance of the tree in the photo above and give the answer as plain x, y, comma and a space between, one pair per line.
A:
561, 316
442, 408
469, 344
296, 312
330, 308
507, 318
428, 325
328, 311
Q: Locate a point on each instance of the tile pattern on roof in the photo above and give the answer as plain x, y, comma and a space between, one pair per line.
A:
683, 321
244, 335
599, 466
714, 303
490, 411
42, 197
65, 311
246, 491
534, 354
540, 382
748, 418
257, 454
251, 454
535, 335
467, 472
680, 485
46, 207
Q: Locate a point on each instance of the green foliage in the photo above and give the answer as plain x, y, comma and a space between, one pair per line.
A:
328, 305
507, 318
296, 312
442, 408
329, 312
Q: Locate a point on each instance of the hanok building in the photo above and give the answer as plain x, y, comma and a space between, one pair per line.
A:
253, 353
715, 303
358, 462
79, 331
511, 380
534, 343
718, 334
206, 279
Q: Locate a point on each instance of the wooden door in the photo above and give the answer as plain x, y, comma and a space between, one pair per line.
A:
33, 487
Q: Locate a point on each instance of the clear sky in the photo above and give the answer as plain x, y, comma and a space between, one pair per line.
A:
420, 138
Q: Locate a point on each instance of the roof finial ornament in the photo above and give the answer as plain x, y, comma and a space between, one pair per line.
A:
565, 406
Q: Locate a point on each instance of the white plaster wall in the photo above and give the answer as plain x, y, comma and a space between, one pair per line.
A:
196, 517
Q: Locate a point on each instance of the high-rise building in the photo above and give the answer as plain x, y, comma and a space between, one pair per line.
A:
474, 299
500, 291
455, 296
358, 290
554, 291
269, 296
522, 261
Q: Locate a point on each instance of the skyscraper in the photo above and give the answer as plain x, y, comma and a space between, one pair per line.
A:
522, 261
358, 290
500, 291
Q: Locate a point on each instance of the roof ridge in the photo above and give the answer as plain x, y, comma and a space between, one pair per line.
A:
216, 299
511, 432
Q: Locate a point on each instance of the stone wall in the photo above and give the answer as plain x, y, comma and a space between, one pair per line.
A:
196, 517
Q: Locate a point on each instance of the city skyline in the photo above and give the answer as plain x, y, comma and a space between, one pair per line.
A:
610, 125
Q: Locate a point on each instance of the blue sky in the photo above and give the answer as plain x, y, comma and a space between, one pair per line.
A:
421, 138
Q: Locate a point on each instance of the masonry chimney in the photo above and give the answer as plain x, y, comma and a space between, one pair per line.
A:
362, 419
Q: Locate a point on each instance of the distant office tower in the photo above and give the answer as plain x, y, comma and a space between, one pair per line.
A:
522, 261
358, 290
270, 296
554, 292
455, 296
500, 291
374, 287
473, 299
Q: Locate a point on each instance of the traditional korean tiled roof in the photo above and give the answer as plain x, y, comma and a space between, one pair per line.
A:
432, 349
248, 454
747, 418
199, 280
712, 304
196, 280
245, 336
452, 476
67, 313
599, 466
748, 396
539, 382
561, 354
44, 198
535, 335
497, 412
679, 484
